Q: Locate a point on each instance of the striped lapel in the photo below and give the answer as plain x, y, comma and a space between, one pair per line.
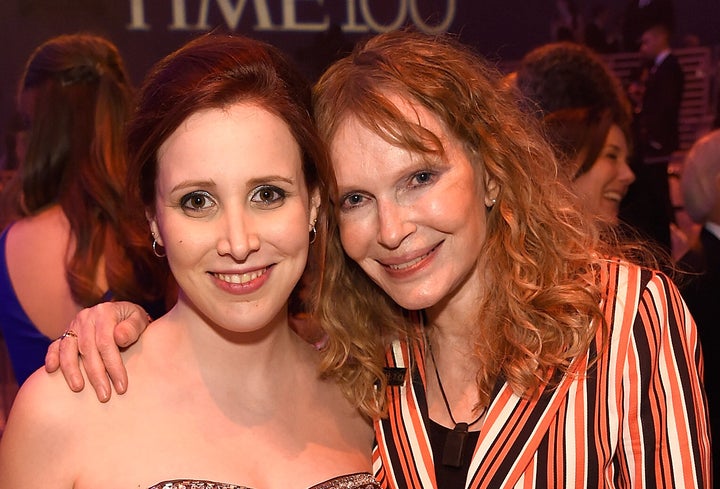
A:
511, 432
402, 438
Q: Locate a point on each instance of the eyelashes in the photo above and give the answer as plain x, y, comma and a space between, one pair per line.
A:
202, 202
197, 201
268, 195
417, 180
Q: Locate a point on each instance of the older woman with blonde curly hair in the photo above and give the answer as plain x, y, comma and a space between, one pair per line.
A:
495, 337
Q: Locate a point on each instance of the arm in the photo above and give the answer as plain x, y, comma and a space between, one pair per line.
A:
101, 331
39, 443
665, 423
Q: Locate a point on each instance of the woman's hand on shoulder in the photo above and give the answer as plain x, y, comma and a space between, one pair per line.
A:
92, 343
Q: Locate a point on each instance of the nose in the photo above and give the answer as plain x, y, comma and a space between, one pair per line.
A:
237, 235
626, 175
394, 224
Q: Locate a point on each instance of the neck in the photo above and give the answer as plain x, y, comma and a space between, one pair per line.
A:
454, 354
455, 319
451, 387
454, 449
260, 351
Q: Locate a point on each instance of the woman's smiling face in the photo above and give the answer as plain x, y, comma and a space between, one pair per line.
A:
414, 222
603, 186
233, 213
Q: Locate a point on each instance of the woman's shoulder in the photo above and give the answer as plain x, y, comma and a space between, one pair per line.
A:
634, 287
51, 216
630, 285
47, 427
46, 229
46, 398
45, 411
614, 266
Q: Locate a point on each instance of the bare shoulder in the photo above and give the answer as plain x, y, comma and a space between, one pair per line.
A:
38, 242
52, 221
41, 431
43, 404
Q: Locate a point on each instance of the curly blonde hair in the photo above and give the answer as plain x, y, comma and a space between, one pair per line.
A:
541, 255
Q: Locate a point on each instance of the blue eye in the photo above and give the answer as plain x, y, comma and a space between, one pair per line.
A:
351, 201
423, 177
268, 195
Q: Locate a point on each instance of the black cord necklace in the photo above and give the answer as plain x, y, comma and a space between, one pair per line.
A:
455, 441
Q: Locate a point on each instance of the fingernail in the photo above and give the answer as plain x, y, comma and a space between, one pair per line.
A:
103, 394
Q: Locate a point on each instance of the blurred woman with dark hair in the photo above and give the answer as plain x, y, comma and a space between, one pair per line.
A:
586, 117
74, 245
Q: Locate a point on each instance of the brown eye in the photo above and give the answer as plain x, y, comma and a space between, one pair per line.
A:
269, 196
197, 201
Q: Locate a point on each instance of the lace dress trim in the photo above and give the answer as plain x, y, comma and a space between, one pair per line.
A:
361, 480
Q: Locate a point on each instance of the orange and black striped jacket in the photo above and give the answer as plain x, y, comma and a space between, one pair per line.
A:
636, 419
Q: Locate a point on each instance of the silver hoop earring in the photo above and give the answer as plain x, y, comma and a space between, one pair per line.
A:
155, 249
313, 234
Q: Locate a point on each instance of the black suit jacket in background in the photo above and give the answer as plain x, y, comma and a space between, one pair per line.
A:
702, 295
658, 118
648, 207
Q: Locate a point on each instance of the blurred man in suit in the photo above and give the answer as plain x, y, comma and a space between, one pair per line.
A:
648, 205
700, 186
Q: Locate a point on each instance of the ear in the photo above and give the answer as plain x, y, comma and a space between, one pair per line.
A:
154, 229
314, 208
492, 190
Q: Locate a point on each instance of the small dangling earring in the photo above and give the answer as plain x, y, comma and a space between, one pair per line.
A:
313, 233
155, 248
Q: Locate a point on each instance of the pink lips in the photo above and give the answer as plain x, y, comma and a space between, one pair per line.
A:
409, 264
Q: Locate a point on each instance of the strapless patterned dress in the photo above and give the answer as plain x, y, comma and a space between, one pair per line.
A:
361, 480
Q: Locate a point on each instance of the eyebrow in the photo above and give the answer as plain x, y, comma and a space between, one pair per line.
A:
251, 183
270, 178
192, 183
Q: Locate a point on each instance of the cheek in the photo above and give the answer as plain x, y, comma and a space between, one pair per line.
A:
354, 237
186, 246
590, 184
185, 240
452, 209
288, 232
581, 186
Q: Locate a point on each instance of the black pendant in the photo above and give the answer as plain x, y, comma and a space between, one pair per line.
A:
455, 446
